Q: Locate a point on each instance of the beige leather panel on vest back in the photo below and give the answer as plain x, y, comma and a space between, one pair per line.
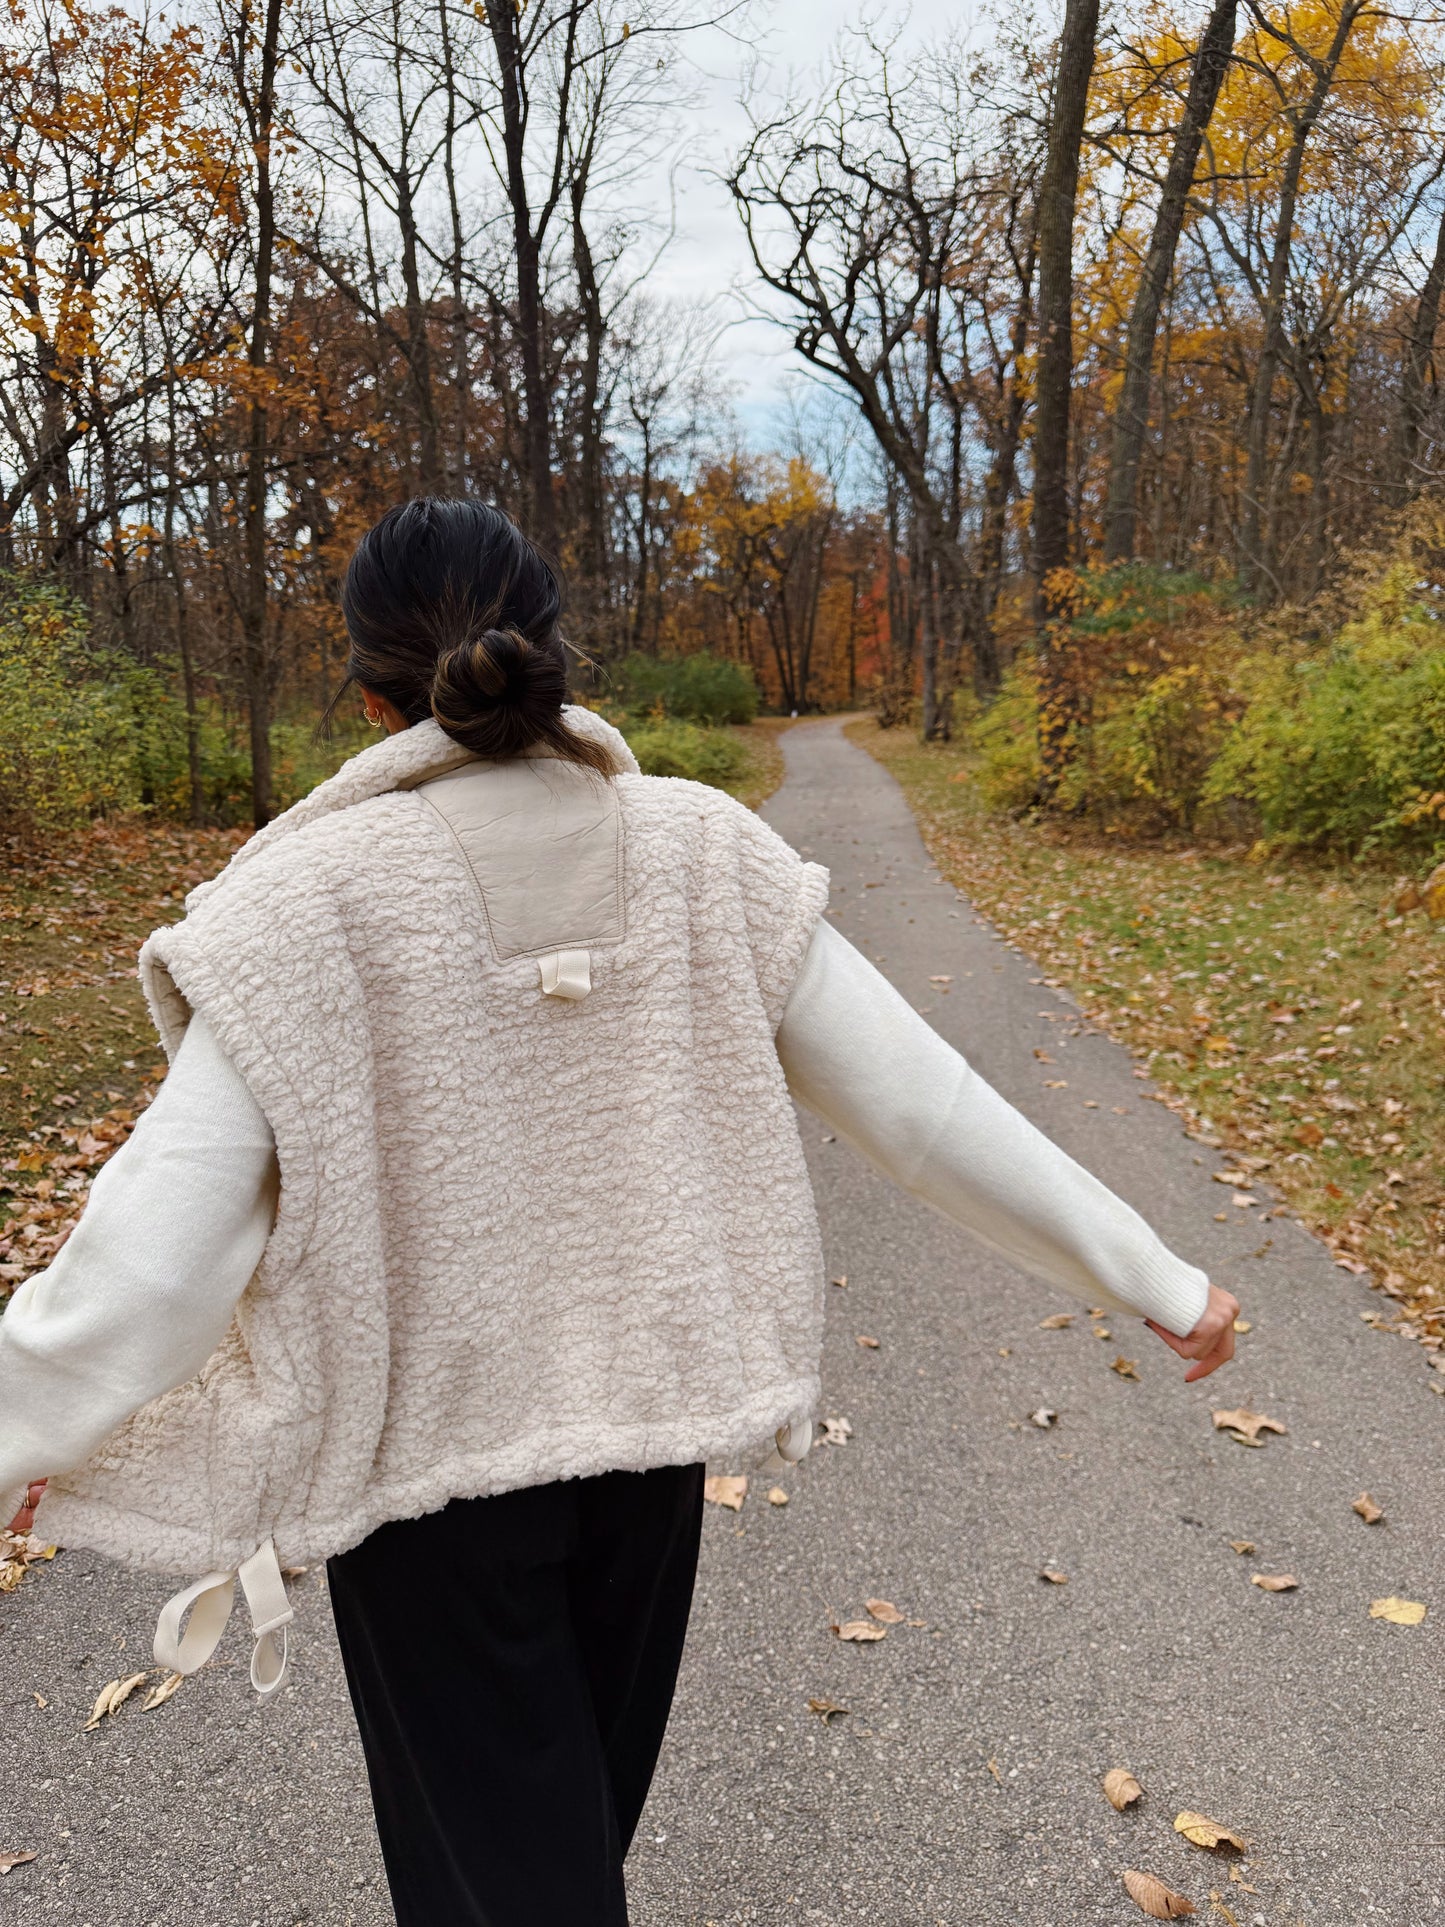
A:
543, 841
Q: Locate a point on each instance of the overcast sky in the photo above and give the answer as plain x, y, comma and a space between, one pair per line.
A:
709, 256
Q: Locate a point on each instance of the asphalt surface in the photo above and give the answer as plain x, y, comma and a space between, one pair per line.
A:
963, 1784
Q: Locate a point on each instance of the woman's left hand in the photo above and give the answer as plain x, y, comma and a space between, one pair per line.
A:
23, 1524
1211, 1343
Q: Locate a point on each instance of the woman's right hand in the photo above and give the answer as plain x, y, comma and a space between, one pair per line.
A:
1211, 1343
23, 1524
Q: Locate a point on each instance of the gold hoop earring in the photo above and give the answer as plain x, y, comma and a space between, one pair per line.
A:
375, 721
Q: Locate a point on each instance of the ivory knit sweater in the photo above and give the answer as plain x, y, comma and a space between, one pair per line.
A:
148, 1284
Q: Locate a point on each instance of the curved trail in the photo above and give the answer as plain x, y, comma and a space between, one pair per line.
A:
962, 1787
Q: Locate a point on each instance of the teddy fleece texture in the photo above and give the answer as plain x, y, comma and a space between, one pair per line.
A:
518, 1239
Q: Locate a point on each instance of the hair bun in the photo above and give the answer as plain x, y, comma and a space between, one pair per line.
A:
497, 693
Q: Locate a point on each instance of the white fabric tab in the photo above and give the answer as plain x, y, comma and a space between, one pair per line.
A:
566, 973
209, 1602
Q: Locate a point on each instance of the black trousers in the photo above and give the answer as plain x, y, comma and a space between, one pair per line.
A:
512, 1663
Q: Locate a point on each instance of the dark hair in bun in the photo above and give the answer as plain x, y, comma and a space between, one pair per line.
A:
452, 613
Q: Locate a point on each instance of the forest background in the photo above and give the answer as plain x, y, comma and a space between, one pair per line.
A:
1113, 488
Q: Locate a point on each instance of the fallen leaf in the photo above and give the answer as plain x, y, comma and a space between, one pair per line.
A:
1245, 1425
1152, 1897
1236, 1874
1204, 1832
1060, 1321
1368, 1510
111, 1697
834, 1431
1056, 1083
726, 1491
1242, 1546
1274, 1581
885, 1611
1432, 893
868, 1344
9, 1860
1042, 1055
1053, 1576
827, 1709
940, 980
861, 1631
1242, 1325
1398, 1612
1125, 1367
158, 1695
777, 1496
1309, 1135
993, 1768
1044, 1417
839, 1282
1121, 1789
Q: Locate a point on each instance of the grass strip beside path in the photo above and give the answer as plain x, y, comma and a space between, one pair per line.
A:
1287, 1012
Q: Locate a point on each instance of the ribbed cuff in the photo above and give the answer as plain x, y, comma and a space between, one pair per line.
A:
1162, 1287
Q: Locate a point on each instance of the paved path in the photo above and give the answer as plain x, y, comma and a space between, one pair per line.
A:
963, 1785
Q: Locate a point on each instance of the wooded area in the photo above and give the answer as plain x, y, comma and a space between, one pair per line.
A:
1129, 321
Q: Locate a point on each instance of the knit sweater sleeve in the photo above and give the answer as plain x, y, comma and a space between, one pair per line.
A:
142, 1291
863, 1059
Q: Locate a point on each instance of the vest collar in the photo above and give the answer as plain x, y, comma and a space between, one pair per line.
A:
397, 762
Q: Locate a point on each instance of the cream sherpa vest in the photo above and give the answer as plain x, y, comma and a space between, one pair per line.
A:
521, 1236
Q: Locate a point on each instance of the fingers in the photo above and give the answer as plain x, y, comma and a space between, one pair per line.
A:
23, 1522
1211, 1361
1211, 1343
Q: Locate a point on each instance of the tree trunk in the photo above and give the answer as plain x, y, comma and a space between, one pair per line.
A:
1131, 419
255, 598
1058, 195
505, 23
592, 538
1404, 483
1255, 561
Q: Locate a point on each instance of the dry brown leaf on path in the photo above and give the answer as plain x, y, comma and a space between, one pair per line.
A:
1246, 1426
834, 1431
777, 1496
860, 1632
1121, 1789
1053, 1576
868, 1344
1242, 1546
841, 1283
9, 1860
158, 1695
1126, 1368
827, 1709
1398, 1612
113, 1695
40, 1700
885, 1612
726, 1491
1368, 1510
1150, 1895
1274, 1581
1060, 1321
1199, 1829
1044, 1417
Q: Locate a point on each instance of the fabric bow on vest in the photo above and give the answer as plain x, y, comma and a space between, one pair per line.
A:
209, 1602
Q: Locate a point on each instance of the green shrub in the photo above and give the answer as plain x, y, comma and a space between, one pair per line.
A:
699, 689
67, 718
1344, 748
1006, 735
682, 749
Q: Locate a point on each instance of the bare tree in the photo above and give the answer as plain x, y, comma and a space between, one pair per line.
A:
1131, 420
